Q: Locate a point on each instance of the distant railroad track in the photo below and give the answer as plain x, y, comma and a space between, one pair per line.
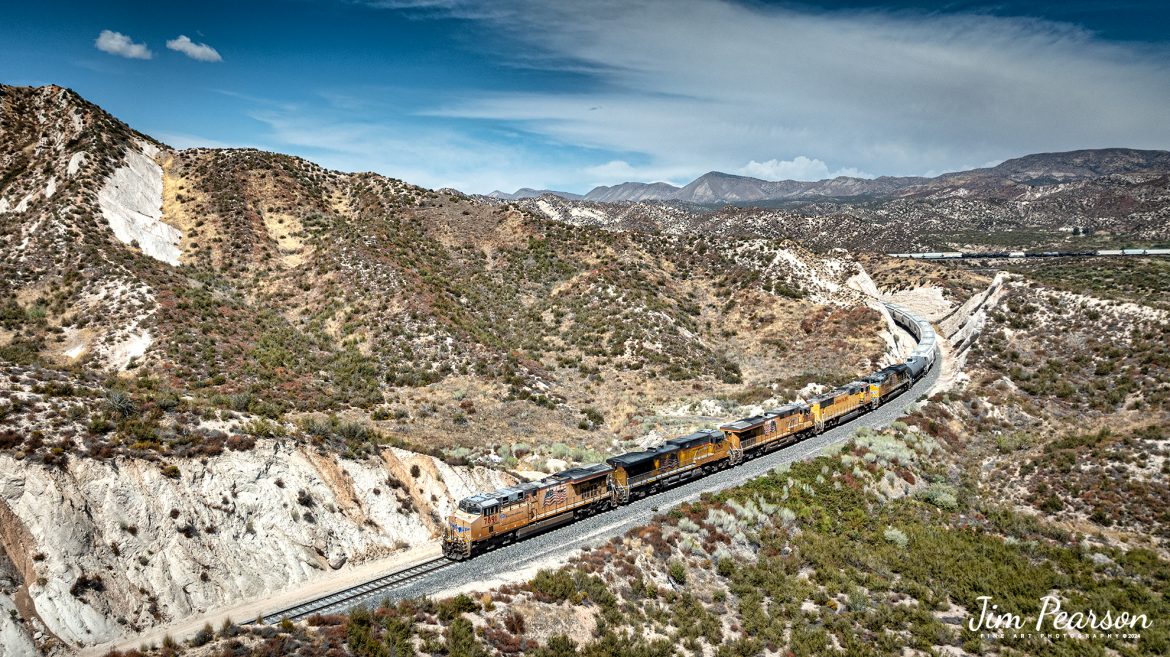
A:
994, 255
346, 598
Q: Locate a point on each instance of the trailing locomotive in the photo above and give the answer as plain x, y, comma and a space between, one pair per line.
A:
487, 520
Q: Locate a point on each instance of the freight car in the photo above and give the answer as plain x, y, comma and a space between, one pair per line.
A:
487, 520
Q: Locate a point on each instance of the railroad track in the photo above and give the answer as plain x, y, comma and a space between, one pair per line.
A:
346, 598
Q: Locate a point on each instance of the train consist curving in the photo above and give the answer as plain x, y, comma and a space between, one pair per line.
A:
487, 520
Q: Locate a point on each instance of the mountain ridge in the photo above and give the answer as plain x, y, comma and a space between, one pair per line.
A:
717, 187
528, 192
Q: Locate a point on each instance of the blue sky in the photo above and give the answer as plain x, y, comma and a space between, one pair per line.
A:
513, 93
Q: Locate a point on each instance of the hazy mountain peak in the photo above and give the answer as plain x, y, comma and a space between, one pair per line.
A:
718, 187
528, 192
632, 191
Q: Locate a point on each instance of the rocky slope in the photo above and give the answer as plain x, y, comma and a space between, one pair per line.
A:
632, 191
263, 283
104, 549
219, 366
1073, 200
965, 213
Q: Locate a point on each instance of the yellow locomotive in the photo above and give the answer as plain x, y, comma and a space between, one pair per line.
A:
486, 520
772, 429
636, 474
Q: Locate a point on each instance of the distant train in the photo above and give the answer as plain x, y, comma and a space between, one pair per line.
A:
958, 255
490, 519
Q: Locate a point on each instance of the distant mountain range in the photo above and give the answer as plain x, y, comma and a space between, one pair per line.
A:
715, 187
528, 192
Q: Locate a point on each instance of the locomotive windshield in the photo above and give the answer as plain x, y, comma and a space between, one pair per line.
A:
470, 506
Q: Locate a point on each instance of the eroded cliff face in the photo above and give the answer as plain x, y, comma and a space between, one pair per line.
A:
99, 549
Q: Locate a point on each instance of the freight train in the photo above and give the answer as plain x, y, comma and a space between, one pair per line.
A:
490, 519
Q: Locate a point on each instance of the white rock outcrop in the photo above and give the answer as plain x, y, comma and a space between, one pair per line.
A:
107, 548
14, 640
75, 162
131, 201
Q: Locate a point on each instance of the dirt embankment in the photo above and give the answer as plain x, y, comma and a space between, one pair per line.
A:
111, 549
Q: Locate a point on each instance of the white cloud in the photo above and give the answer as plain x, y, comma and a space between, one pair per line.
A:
798, 168
695, 85
619, 171
199, 51
121, 45
612, 169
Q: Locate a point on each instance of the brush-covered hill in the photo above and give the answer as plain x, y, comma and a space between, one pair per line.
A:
225, 373
1037, 477
1074, 200
265, 283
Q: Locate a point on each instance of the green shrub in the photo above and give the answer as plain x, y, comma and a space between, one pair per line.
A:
120, 403
940, 495
452, 608
896, 536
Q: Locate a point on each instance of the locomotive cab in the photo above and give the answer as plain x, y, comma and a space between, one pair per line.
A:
466, 523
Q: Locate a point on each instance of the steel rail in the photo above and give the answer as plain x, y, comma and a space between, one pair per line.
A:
348, 597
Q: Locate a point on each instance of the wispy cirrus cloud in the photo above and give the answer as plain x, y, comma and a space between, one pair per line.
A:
432, 156
793, 92
197, 51
116, 43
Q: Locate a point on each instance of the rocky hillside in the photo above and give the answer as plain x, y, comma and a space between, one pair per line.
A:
979, 211
1074, 200
1044, 169
263, 283
308, 365
632, 191
528, 192
1038, 470
100, 549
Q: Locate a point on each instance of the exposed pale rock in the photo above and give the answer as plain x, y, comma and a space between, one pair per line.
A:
246, 524
134, 346
75, 162
131, 201
13, 638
